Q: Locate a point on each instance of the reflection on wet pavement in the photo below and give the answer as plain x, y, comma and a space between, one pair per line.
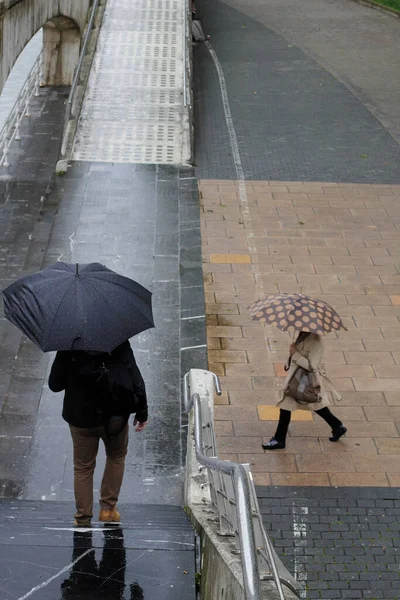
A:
149, 557
143, 221
88, 579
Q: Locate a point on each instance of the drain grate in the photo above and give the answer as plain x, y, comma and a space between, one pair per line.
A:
133, 108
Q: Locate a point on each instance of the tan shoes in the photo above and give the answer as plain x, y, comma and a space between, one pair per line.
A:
105, 516
109, 516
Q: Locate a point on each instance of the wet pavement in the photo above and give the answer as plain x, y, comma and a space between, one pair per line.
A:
141, 221
150, 556
144, 222
294, 120
25, 224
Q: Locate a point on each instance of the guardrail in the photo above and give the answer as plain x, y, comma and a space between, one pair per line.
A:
11, 128
184, 50
75, 82
233, 495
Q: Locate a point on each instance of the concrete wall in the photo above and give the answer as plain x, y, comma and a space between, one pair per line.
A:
221, 575
21, 19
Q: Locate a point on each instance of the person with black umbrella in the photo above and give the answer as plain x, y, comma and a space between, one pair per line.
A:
101, 391
87, 313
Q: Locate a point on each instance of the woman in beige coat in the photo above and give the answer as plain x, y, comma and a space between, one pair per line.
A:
306, 352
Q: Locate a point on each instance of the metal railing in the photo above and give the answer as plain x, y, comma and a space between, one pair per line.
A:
186, 59
75, 80
233, 495
12, 127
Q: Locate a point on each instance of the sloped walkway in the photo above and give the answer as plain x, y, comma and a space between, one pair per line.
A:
134, 104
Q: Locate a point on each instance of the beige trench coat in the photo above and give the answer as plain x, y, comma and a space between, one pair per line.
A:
308, 356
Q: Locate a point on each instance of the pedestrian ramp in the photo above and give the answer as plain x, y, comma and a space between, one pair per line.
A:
150, 555
136, 104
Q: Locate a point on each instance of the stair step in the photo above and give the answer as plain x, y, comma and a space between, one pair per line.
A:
33, 511
150, 555
45, 523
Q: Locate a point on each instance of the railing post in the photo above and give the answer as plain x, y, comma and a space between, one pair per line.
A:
38, 75
5, 156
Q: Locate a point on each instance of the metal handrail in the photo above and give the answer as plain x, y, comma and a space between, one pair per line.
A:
184, 44
251, 577
78, 69
245, 510
20, 110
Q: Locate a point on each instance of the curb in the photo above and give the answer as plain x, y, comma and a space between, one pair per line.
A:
376, 6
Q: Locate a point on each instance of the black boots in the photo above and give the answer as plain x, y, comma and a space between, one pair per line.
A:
337, 433
273, 444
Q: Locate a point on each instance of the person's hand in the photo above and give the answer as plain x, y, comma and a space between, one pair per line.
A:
292, 349
140, 425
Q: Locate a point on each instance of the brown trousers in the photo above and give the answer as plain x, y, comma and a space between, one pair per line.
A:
86, 446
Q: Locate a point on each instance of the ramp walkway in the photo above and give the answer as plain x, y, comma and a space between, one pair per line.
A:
134, 109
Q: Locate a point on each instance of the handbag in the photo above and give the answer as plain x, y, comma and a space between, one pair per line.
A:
304, 387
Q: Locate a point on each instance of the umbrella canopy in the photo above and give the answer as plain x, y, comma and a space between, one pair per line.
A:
78, 307
296, 312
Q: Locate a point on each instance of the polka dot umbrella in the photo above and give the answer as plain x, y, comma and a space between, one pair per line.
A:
296, 312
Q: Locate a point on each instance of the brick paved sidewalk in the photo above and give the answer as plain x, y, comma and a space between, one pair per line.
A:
340, 242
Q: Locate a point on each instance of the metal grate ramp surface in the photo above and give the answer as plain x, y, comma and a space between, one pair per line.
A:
133, 110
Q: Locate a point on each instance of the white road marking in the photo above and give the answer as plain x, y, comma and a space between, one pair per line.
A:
300, 542
245, 208
167, 542
81, 529
42, 585
193, 347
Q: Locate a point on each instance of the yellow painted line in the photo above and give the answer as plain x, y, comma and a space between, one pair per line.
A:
271, 413
230, 258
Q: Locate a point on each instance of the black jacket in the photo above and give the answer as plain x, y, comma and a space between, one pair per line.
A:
82, 401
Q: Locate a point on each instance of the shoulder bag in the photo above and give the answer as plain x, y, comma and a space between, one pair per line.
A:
304, 387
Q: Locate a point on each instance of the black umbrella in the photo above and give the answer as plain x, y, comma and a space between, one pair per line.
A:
79, 307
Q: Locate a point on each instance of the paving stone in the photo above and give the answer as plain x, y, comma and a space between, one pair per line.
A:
356, 570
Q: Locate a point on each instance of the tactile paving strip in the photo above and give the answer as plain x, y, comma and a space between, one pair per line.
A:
133, 108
